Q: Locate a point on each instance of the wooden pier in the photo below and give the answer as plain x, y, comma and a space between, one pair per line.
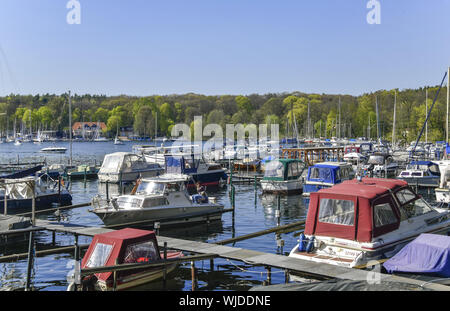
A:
256, 258
312, 155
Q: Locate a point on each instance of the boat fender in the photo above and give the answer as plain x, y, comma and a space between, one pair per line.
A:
302, 242
310, 245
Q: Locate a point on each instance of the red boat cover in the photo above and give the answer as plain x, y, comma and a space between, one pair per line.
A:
363, 195
112, 246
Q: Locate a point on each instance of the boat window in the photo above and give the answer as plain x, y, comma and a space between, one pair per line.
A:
150, 188
129, 202
383, 215
416, 174
173, 187
434, 169
405, 173
111, 163
100, 255
274, 169
141, 252
378, 160
405, 195
340, 212
414, 209
320, 173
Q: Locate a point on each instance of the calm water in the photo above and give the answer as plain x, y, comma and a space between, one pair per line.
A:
253, 213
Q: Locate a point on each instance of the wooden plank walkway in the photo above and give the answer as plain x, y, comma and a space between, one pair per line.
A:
252, 257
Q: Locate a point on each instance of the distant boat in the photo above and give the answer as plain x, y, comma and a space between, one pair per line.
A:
17, 142
117, 141
54, 150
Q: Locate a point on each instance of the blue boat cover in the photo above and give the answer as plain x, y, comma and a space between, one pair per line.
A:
173, 165
428, 253
428, 163
22, 174
323, 173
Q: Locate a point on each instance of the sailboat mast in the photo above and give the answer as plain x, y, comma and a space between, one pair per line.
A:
393, 125
378, 120
70, 129
426, 113
448, 101
339, 117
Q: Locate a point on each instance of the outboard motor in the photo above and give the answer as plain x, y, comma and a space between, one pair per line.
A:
310, 245
302, 243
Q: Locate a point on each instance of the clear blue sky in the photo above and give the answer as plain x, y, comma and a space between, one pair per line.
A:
147, 47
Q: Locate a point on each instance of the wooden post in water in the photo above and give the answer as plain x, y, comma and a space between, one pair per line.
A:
269, 275
77, 263
30, 260
85, 177
165, 268
5, 209
33, 204
115, 275
193, 277
107, 191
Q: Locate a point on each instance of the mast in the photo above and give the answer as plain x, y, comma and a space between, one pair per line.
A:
378, 120
426, 113
339, 117
70, 129
448, 100
393, 125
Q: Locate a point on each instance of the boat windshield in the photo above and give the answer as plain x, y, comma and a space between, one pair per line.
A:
99, 255
414, 209
150, 187
129, 202
111, 163
141, 252
379, 160
274, 169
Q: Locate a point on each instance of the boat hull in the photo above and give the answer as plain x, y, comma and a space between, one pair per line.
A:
165, 215
422, 182
282, 187
127, 176
42, 202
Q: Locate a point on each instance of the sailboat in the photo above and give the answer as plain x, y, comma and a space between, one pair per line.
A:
117, 141
98, 136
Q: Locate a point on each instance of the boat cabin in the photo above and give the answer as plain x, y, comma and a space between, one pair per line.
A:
427, 168
362, 210
124, 246
283, 169
352, 149
327, 174
366, 148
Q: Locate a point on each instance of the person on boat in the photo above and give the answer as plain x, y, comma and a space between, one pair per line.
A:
202, 192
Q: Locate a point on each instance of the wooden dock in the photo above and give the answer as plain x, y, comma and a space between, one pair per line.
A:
252, 257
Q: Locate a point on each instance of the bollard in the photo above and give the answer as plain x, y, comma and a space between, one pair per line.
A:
30, 261
193, 278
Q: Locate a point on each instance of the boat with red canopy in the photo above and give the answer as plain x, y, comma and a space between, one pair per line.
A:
363, 220
121, 247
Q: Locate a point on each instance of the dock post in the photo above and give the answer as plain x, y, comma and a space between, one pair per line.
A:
30, 261
77, 263
33, 204
59, 190
211, 264
256, 191
165, 268
107, 191
194, 280
269, 275
85, 177
286, 276
115, 275
5, 209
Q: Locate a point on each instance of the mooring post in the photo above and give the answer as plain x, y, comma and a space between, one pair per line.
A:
211, 264
115, 275
59, 190
77, 262
33, 204
286, 276
30, 261
165, 268
193, 278
269, 275
107, 191
85, 177
5, 209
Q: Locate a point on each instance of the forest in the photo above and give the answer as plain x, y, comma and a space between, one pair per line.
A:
357, 115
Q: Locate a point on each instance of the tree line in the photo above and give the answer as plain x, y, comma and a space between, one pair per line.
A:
316, 115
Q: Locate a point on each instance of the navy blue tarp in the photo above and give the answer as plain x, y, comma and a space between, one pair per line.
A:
323, 173
428, 253
173, 165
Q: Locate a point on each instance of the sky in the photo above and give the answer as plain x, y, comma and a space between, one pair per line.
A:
215, 47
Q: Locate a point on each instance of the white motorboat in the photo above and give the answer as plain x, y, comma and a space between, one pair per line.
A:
163, 199
54, 150
359, 221
125, 167
283, 176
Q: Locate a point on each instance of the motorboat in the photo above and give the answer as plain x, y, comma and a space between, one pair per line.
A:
443, 191
126, 167
364, 220
325, 175
283, 176
19, 195
421, 173
125, 246
247, 164
54, 150
356, 159
380, 165
205, 173
83, 171
163, 199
